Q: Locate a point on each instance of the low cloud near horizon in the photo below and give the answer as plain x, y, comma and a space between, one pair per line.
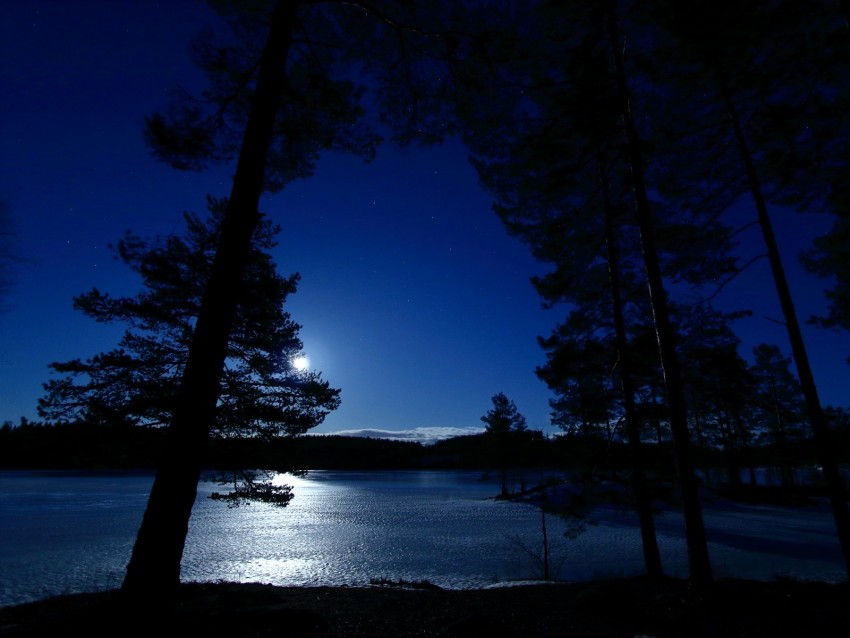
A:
419, 435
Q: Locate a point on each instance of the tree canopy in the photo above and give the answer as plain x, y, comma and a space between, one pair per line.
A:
262, 394
603, 151
503, 416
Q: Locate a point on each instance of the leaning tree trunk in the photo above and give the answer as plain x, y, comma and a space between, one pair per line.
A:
699, 565
817, 419
154, 569
643, 504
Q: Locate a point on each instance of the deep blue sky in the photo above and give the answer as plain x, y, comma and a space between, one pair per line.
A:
413, 299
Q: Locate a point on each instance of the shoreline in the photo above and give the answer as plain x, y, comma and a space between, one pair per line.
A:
616, 607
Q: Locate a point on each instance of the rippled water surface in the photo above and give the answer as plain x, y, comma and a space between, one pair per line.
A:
64, 532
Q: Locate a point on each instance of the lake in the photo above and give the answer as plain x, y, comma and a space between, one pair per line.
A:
65, 532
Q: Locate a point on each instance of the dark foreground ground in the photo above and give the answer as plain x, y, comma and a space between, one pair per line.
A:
628, 607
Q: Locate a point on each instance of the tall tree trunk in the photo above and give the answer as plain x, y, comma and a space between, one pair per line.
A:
817, 419
643, 504
698, 561
153, 573
546, 573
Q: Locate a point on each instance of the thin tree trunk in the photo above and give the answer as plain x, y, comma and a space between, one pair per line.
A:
153, 573
745, 444
643, 503
698, 561
546, 573
820, 430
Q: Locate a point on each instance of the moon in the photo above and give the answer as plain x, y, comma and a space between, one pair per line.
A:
300, 363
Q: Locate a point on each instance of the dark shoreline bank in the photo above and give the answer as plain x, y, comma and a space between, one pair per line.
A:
619, 607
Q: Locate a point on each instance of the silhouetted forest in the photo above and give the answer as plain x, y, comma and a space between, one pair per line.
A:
615, 139
585, 456
87, 446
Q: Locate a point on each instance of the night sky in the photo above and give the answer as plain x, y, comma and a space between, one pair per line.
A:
413, 299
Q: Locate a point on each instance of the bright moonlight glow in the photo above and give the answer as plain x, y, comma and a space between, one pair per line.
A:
300, 363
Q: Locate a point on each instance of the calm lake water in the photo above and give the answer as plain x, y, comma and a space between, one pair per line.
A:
64, 532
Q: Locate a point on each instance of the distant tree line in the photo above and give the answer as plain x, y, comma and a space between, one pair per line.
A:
587, 456
33, 445
738, 410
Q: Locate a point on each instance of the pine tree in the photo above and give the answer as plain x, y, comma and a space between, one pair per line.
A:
765, 84
154, 569
718, 383
137, 383
830, 258
576, 162
779, 406
279, 94
503, 417
502, 423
